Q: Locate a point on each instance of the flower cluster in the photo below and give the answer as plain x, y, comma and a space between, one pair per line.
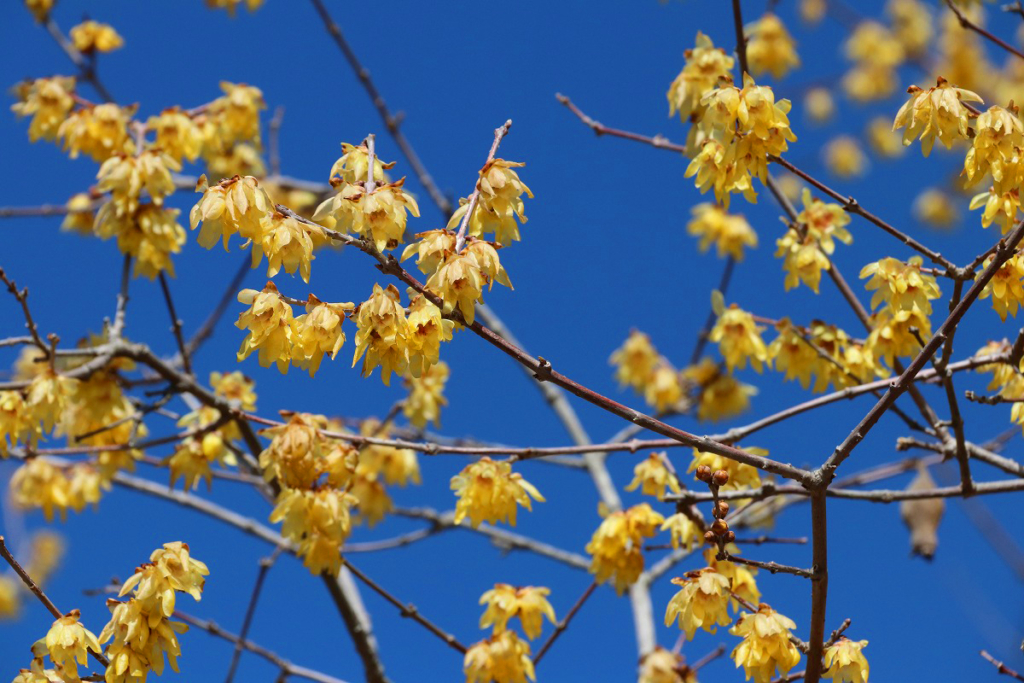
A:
319, 521
505, 602
741, 128
996, 152
935, 113
729, 233
617, 544
766, 646
770, 47
738, 337
140, 630
876, 52
499, 203
489, 491
705, 65
702, 602
654, 476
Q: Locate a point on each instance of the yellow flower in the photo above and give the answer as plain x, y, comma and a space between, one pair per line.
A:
505, 602
741, 578
80, 216
241, 158
703, 602
876, 53
663, 390
502, 658
845, 661
883, 141
373, 499
459, 282
10, 599
721, 395
99, 131
353, 166
235, 387
319, 521
654, 476
426, 330
635, 360
936, 208
766, 645
234, 205
47, 550
40, 9
232, 5
177, 135
824, 222
140, 641
844, 157
48, 101
912, 25
1005, 287
318, 332
684, 532
287, 243
999, 206
236, 114
431, 250
995, 147
661, 666
770, 47
901, 285
295, 455
741, 475
935, 113
270, 325
738, 338
819, 104
151, 234
803, 260
892, 334
813, 11
728, 232
68, 644
489, 491
792, 354
92, 36
705, 64
382, 333
39, 484
715, 167
616, 546
379, 216
47, 396
394, 465
192, 458
126, 176
499, 205
426, 396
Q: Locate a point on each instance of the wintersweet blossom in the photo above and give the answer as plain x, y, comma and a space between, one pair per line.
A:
705, 64
730, 233
845, 661
938, 112
654, 476
269, 321
319, 521
382, 334
499, 203
616, 546
702, 602
426, 395
48, 101
93, 36
502, 658
738, 337
489, 491
770, 47
505, 602
903, 286
766, 646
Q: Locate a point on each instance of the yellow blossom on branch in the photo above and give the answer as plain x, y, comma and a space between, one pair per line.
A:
287, 243
741, 475
766, 646
235, 205
663, 390
426, 395
702, 602
489, 491
68, 644
236, 114
319, 521
318, 332
1006, 287
99, 131
705, 64
903, 286
505, 602
635, 360
48, 101
654, 476
382, 333
426, 330
728, 232
661, 666
721, 395
893, 334
502, 658
270, 324
845, 661
379, 216
936, 208
177, 135
431, 250
499, 203
93, 36
738, 337
770, 47
741, 578
353, 166
938, 112
616, 546
844, 157
685, 533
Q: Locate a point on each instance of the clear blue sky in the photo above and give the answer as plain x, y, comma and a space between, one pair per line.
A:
605, 250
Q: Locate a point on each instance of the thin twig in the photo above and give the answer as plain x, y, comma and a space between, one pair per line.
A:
499, 134
564, 623
968, 24
265, 564
186, 362
1000, 667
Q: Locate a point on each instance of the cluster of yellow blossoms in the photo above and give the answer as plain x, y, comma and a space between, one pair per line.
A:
141, 634
766, 646
489, 491
504, 657
806, 247
616, 548
718, 394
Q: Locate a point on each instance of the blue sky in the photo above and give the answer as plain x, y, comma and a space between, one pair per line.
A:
605, 250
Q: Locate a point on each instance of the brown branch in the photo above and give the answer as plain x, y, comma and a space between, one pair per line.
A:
499, 134
563, 624
708, 658
968, 24
709, 322
391, 121
21, 296
230, 292
819, 587
264, 567
40, 211
241, 642
1000, 667
771, 567
86, 67
38, 592
186, 362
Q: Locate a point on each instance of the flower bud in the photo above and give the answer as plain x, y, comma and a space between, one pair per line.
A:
729, 536
719, 527
721, 509
709, 536
703, 473
720, 478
